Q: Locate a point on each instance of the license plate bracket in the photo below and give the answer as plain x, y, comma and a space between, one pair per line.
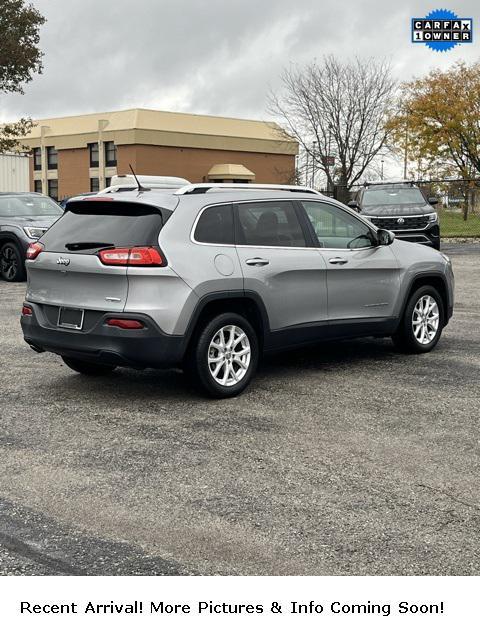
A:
69, 318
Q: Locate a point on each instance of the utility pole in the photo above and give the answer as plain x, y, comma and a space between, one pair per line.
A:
44, 130
405, 158
102, 124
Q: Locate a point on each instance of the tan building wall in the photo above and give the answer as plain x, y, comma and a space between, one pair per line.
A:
194, 164
160, 143
73, 171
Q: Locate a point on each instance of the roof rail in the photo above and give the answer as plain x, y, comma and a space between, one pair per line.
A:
203, 187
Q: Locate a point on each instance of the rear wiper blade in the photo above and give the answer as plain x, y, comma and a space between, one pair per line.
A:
76, 246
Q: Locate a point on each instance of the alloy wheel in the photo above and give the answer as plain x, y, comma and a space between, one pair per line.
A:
8, 263
425, 319
229, 355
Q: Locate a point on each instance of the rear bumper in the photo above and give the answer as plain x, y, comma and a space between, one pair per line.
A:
138, 348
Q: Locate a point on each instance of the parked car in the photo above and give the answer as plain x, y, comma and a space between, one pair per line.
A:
23, 217
209, 277
401, 208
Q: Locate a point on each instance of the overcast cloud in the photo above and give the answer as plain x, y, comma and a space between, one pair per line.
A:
213, 57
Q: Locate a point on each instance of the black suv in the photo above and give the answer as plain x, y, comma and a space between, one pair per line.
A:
401, 208
24, 217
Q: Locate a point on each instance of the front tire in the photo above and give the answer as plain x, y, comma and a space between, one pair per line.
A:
224, 355
422, 323
12, 265
88, 368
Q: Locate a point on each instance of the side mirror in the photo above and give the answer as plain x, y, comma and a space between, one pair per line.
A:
353, 204
385, 237
432, 200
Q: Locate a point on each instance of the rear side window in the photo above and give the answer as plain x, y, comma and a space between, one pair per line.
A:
271, 224
215, 225
87, 227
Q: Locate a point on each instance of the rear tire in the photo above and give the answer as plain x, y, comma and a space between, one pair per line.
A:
88, 368
223, 356
12, 264
422, 322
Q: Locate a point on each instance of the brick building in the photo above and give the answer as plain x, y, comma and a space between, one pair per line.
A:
78, 154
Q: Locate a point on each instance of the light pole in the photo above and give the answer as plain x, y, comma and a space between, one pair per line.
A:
381, 170
314, 156
405, 157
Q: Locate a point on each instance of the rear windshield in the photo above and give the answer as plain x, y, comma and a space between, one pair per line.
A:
87, 227
393, 196
26, 206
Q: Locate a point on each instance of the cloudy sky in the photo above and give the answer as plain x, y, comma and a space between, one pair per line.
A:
212, 57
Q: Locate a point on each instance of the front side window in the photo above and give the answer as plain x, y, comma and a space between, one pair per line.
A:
337, 229
110, 154
269, 224
93, 150
53, 189
215, 225
37, 159
52, 158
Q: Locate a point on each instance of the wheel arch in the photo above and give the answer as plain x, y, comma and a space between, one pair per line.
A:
433, 279
248, 303
9, 236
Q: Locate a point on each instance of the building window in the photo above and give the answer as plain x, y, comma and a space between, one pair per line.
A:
93, 147
37, 159
110, 154
37, 186
52, 158
108, 182
94, 185
53, 189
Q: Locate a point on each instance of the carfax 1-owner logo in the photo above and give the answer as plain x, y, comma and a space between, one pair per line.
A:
442, 30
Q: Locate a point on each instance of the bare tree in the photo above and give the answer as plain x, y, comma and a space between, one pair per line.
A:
336, 109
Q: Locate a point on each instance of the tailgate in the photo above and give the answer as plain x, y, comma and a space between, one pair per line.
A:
84, 282
68, 271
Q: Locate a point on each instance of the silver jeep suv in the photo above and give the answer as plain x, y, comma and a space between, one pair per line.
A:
209, 277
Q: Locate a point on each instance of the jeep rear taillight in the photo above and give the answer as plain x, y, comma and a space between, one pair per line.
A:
34, 249
132, 257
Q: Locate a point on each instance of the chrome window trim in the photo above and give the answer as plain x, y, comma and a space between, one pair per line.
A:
258, 246
197, 218
231, 203
348, 211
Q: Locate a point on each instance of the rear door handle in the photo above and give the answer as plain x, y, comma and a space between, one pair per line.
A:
338, 261
257, 262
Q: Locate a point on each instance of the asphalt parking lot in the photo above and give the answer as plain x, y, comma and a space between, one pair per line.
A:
343, 459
